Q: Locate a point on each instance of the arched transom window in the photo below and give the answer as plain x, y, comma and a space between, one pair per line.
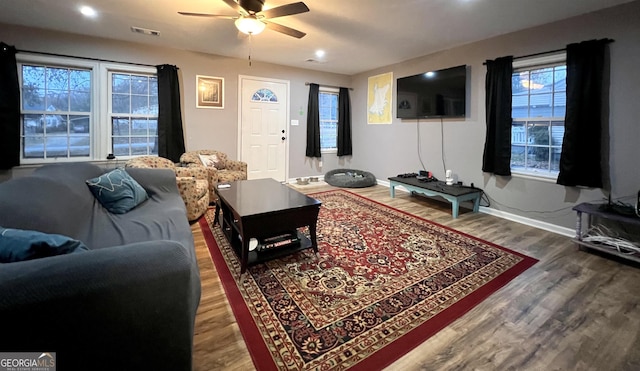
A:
264, 95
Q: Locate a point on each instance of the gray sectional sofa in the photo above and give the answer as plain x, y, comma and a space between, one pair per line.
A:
126, 303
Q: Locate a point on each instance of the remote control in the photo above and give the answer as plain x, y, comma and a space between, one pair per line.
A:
407, 175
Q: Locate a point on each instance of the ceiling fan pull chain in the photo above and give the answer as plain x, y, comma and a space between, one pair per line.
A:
250, 39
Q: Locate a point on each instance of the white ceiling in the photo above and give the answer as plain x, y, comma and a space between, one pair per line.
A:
357, 35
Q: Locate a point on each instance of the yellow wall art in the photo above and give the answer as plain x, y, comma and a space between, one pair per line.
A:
379, 100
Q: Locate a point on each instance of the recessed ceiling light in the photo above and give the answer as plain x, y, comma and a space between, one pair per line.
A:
319, 53
88, 11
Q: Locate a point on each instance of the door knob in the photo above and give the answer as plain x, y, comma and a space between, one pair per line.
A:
283, 138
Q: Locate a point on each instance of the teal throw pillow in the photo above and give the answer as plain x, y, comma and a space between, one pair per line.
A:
19, 245
117, 191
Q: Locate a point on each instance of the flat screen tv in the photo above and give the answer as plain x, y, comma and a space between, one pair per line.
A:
433, 94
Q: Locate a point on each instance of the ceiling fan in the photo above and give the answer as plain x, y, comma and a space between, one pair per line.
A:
252, 20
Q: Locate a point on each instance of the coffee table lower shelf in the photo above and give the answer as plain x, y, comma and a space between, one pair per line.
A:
257, 257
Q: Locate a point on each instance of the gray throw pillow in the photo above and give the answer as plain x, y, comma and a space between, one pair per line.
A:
117, 191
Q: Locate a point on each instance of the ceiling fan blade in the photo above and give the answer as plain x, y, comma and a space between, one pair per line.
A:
285, 30
281, 11
208, 15
235, 6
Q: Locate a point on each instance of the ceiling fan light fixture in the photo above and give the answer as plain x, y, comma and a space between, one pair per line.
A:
250, 25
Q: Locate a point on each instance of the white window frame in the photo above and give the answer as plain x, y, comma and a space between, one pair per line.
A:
106, 70
530, 64
28, 59
99, 118
336, 92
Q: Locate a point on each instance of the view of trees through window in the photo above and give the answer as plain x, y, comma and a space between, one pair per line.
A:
538, 110
134, 114
56, 107
63, 115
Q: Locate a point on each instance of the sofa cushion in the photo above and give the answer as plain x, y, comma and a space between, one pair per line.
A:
20, 245
117, 191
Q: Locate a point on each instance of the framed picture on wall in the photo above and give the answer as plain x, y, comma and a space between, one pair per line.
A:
379, 99
209, 92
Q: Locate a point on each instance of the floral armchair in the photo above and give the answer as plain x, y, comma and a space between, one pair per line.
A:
221, 169
192, 183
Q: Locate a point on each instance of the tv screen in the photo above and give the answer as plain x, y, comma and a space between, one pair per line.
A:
439, 93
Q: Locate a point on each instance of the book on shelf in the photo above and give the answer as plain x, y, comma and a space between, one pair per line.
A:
280, 240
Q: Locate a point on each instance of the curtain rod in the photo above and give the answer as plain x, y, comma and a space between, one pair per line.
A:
328, 86
85, 58
547, 52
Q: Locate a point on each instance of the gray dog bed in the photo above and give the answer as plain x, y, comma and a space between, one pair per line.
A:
349, 178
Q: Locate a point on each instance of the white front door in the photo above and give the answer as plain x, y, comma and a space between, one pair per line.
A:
264, 107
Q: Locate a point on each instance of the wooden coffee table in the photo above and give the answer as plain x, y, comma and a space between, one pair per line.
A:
263, 208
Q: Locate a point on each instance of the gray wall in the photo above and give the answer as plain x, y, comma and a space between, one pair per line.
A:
204, 128
387, 150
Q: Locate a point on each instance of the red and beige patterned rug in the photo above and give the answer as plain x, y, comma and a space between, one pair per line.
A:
383, 282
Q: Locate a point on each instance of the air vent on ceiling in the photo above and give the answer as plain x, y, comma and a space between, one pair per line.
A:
145, 31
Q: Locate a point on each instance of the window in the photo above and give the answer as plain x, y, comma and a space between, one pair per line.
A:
75, 110
56, 111
133, 114
328, 101
264, 95
538, 110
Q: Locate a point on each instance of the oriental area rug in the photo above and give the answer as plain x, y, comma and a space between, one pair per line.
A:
383, 282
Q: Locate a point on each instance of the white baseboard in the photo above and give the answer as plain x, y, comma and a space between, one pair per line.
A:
530, 222
509, 216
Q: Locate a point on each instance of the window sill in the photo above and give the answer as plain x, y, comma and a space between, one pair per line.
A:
329, 151
534, 176
33, 165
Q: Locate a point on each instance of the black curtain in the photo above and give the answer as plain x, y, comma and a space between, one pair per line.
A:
581, 156
497, 146
344, 123
170, 134
313, 122
9, 108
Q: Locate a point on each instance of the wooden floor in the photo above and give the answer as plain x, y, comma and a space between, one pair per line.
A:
573, 310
